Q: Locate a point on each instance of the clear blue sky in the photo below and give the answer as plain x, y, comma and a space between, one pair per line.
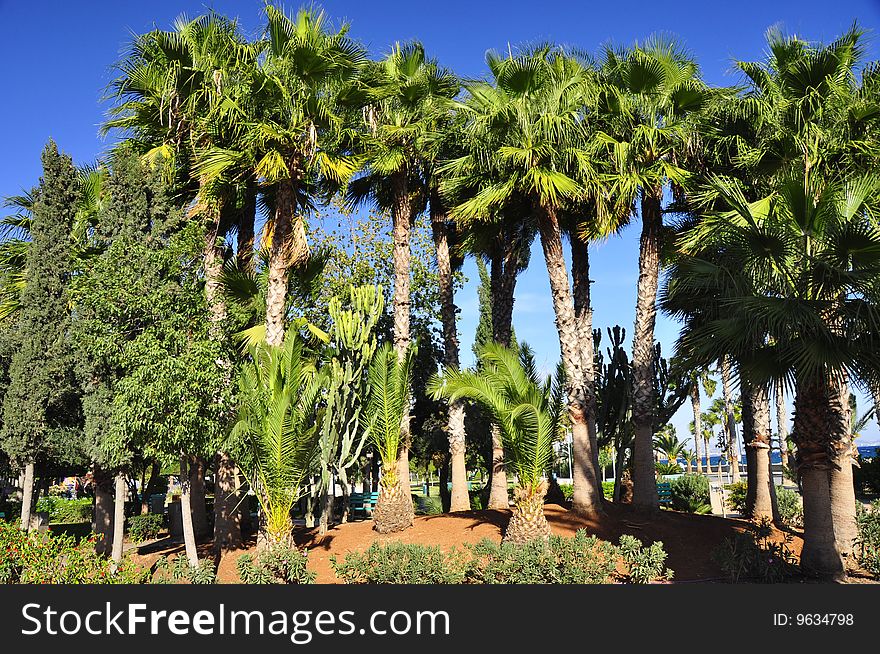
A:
56, 57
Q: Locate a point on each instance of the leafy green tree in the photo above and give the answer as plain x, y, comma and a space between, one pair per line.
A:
42, 401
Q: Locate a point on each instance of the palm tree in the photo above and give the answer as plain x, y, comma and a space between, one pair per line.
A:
667, 443
700, 378
653, 92
407, 97
527, 140
792, 278
388, 402
279, 393
530, 414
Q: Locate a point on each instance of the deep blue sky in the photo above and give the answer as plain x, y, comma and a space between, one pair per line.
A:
56, 58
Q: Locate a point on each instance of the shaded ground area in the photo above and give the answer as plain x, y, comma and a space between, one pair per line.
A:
689, 539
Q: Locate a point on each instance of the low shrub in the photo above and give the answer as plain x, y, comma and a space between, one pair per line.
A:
278, 564
690, 493
867, 544
567, 491
736, 496
65, 510
753, 556
643, 564
44, 558
791, 509
423, 505
400, 563
581, 559
145, 527
176, 569
608, 489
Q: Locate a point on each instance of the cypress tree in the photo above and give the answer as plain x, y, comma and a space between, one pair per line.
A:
42, 402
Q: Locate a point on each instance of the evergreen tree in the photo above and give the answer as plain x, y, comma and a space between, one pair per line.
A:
42, 405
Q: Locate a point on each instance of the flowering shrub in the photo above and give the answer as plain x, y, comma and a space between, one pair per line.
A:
43, 558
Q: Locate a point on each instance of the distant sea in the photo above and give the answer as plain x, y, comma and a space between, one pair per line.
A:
867, 451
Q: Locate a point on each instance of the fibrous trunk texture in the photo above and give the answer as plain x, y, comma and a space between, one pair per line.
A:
459, 499
583, 314
589, 503
643, 402
730, 420
394, 510
527, 523
289, 247
819, 555
401, 215
842, 454
756, 436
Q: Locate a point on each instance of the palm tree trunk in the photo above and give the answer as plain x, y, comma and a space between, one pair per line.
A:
104, 510
27, 496
698, 423
786, 453
501, 289
843, 496
459, 500
401, 215
227, 520
189, 535
588, 501
120, 491
289, 247
528, 522
730, 420
820, 554
760, 498
583, 313
643, 401
246, 219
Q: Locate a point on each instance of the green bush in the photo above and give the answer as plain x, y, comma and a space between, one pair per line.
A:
791, 510
868, 541
866, 475
752, 556
65, 510
279, 564
736, 496
145, 527
567, 491
43, 558
581, 559
608, 489
666, 468
400, 563
176, 569
643, 564
427, 505
690, 493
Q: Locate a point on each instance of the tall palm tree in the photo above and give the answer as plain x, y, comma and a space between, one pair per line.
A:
527, 139
793, 277
667, 443
700, 378
407, 97
653, 92
530, 413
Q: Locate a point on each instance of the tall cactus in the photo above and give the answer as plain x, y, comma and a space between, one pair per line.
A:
352, 345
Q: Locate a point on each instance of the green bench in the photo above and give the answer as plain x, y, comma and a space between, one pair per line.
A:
362, 503
664, 492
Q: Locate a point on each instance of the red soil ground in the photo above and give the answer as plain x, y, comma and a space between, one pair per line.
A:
689, 539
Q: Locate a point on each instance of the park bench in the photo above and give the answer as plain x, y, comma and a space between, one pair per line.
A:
362, 503
664, 492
